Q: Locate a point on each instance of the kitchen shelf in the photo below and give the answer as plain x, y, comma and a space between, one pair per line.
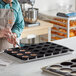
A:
67, 24
72, 18
52, 39
73, 27
58, 31
60, 26
57, 35
58, 21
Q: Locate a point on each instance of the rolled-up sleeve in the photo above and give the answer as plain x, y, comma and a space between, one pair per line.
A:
19, 23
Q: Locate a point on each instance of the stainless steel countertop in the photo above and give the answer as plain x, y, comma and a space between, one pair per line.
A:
18, 68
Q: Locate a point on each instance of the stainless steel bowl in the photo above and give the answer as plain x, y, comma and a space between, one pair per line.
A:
31, 15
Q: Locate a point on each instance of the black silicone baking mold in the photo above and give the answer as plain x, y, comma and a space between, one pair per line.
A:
38, 51
67, 68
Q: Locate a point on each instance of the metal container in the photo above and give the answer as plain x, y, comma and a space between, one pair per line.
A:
31, 15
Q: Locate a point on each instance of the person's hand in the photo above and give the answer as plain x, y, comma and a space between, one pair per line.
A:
4, 32
11, 38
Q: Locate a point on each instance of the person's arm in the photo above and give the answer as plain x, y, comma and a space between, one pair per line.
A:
17, 27
19, 23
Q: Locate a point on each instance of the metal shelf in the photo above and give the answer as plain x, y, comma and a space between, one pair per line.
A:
57, 17
53, 39
67, 28
58, 31
57, 35
57, 21
60, 27
72, 18
66, 21
73, 27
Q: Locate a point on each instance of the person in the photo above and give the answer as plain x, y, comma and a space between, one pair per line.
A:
11, 23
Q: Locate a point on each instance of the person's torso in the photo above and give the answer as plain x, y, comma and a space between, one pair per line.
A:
15, 7
6, 15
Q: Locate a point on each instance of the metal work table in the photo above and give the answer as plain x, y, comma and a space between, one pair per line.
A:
18, 68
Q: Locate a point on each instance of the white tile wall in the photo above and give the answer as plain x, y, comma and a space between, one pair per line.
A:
45, 5
52, 4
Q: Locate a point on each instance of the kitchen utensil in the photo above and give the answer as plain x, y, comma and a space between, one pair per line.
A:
38, 51
67, 68
11, 36
17, 45
31, 15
